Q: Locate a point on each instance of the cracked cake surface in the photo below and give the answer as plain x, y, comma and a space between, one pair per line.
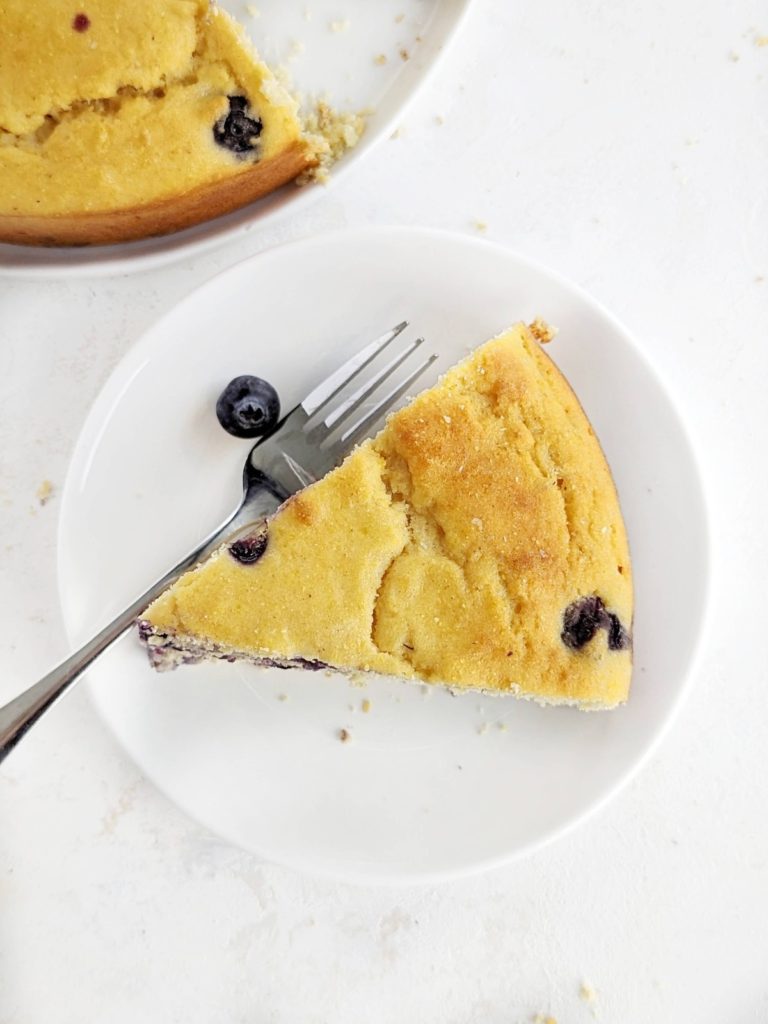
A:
120, 120
476, 542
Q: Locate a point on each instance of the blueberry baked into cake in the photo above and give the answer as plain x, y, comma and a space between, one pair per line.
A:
121, 119
477, 542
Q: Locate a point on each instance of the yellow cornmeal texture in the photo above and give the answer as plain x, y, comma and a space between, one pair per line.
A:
122, 114
446, 549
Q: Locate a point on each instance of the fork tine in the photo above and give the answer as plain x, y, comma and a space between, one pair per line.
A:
332, 384
358, 430
355, 400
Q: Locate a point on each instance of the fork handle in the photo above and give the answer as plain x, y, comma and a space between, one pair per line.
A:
19, 715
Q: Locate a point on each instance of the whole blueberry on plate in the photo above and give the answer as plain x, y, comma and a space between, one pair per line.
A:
248, 407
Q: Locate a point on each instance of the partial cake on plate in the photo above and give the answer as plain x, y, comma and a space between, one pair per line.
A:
124, 120
477, 542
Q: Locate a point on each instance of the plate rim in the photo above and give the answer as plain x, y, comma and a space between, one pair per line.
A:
110, 262
135, 357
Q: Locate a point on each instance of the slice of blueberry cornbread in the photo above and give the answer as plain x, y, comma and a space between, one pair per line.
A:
120, 120
476, 542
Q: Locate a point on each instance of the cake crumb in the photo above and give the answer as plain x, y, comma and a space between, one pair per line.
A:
588, 992
482, 729
735, 57
399, 18
252, 10
44, 492
502, 726
481, 226
365, 707
344, 735
761, 40
282, 696
404, 54
331, 134
439, 119
542, 331
380, 59
341, 25
541, 1018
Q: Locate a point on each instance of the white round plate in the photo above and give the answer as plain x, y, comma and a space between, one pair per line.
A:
430, 785
327, 55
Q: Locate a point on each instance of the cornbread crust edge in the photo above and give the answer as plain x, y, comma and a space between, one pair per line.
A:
203, 203
473, 547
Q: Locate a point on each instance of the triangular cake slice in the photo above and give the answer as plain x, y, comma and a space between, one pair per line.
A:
476, 542
122, 120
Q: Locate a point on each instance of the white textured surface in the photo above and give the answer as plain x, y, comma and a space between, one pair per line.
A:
631, 158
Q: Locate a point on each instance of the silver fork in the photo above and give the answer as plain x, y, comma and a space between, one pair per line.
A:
305, 445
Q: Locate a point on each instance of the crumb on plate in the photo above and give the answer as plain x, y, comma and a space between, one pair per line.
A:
542, 331
44, 492
331, 134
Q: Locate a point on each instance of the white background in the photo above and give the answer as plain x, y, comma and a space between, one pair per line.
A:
624, 145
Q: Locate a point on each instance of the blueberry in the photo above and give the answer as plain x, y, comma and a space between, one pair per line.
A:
582, 619
248, 550
248, 407
236, 131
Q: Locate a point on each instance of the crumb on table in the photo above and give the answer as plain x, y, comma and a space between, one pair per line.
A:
344, 735
587, 992
365, 706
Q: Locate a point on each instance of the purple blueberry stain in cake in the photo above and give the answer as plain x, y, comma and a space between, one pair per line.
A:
584, 617
81, 22
313, 664
618, 637
145, 630
248, 550
236, 131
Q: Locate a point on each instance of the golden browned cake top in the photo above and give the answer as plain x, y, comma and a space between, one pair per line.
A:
110, 105
476, 542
